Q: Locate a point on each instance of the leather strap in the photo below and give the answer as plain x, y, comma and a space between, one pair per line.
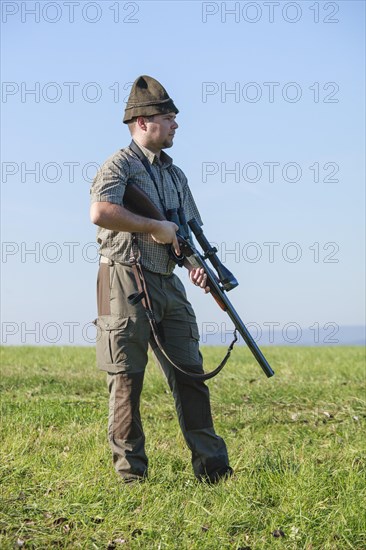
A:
140, 155
143, 296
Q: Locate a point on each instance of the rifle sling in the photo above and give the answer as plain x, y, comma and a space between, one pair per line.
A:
140, 155
143, 296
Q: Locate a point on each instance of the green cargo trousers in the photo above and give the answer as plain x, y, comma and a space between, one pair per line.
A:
122, 343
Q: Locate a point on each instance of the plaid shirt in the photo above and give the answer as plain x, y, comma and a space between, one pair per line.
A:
109, 186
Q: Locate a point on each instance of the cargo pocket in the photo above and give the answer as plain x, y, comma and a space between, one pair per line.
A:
121, 343
194, 332
182, 339
196, 360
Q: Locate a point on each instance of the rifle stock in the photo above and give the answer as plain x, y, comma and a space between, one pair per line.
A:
137, 201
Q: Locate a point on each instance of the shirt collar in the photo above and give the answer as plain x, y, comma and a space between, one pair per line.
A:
164, 161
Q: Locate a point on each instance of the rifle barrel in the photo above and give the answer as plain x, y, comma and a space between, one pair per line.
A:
238, 323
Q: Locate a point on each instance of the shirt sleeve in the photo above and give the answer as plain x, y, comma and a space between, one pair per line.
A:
110, 181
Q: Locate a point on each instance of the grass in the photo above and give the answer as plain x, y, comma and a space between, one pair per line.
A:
296, 442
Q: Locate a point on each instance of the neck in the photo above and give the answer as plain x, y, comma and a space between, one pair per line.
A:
147, 146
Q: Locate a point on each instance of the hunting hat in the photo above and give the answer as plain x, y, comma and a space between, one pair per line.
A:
148, 97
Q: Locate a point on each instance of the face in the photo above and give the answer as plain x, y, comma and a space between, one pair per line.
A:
160, 130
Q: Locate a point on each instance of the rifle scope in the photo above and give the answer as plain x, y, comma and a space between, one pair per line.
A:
226, 277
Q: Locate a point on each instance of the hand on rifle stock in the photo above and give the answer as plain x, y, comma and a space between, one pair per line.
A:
165, 233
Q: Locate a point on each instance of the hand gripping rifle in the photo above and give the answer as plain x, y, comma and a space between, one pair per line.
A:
137, 201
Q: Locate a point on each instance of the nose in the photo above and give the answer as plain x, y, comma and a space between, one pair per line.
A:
175, 125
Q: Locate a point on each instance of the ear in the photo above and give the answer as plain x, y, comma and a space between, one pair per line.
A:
141, 123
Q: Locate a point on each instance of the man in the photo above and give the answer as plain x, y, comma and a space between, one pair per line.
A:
123, 327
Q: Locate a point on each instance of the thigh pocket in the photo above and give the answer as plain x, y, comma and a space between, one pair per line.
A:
194, 332
122, 343
182, 339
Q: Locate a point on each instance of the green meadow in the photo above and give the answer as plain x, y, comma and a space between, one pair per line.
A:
296, 443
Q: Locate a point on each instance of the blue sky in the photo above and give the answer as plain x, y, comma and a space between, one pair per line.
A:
310, 132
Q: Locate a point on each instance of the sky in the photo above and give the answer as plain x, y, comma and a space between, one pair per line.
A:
271, 137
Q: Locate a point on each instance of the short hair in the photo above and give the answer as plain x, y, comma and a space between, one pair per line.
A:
131, 123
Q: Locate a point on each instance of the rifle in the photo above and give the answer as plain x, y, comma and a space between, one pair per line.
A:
137, 201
